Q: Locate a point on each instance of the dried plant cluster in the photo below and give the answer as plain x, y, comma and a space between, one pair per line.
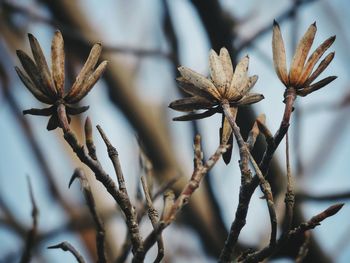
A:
48, 87
223, 92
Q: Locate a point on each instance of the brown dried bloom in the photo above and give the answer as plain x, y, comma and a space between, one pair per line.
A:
223, 86
301, 74
48, 87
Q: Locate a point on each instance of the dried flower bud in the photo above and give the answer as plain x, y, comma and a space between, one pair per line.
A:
48, 87
300, 75
225, 85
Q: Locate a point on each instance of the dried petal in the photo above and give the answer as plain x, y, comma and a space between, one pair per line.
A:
85, 71
32, 88
39, 112
57, 57
316, 86
53, 123
239, 78
42, 66
89, 83
226, 64
217, 72
226, 136
193, 90
315, 56
196, 116
250, 99
323, 65
190, 104
250, 84
279, 54
32, 71
76, 110
300, 55
199, 81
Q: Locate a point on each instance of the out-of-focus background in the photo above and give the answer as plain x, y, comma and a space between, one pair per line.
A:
145, 41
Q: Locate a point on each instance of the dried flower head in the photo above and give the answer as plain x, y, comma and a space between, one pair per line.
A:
223, 86
48, 87
301, 74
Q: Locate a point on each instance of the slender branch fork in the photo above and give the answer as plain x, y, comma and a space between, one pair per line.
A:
249, 185
172, 206
120, 195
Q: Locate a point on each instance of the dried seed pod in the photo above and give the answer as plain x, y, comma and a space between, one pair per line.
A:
300, 74
49, 88
57, 58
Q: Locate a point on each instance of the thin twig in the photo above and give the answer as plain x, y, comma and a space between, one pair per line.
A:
171, 206
315, 220
100, 230
113, 155
248, 187
154, 217
32, 233
35, 16
304, 249
65, 246
89, 141
264, 184
284, 16
254, 132
120, 197
322, 198
290, 196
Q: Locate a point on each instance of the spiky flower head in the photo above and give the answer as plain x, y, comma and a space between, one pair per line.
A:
301, 75
224, 85
48, 87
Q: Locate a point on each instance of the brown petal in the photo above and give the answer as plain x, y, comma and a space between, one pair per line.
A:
40, 112
279, 54
217, 72
199, 81
316, 86
250, 99
195, 116
226, 136
85, 71
53, 123
190, 104
32, 88
323, 65
76, 110
42, 66
193, 90
301, 53
250, 84
57, 57
226, 64
315, 56
89, 83
239, 78
32, 71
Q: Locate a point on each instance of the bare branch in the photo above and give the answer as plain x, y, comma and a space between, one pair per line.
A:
32, 233
65, 246
100, 230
